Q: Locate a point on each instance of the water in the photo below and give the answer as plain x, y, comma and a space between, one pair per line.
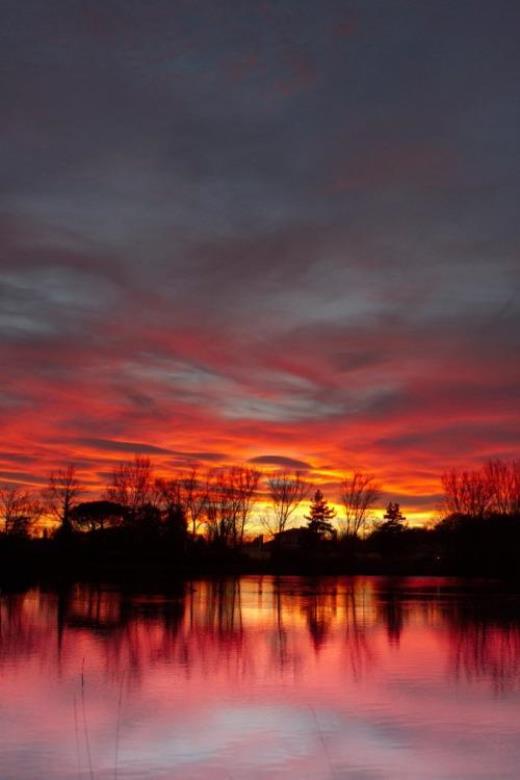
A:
262, 678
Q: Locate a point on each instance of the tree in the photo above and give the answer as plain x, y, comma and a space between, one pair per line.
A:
96, 515
359, 494
133, 487
493, 489
286, 492
217, 509
168, 493
393, 519
193, 499
503, 481
243, 483
173, 509
466, 492
176, 526
320, 516
18, 509
61, 494
230, 495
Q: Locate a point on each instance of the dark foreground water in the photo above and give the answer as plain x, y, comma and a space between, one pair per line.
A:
262, 678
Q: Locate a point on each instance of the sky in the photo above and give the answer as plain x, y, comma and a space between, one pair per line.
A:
282, 234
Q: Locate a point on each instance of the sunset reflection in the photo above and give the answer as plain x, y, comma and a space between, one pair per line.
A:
238, 663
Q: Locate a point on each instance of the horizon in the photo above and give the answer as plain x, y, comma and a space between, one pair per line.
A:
327, 481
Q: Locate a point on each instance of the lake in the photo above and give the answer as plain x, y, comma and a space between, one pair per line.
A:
262, 678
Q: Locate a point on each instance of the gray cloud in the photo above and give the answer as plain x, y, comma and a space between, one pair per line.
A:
210, 213
280, 460
131, 447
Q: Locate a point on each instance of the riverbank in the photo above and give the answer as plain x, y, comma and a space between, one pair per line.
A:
127, 558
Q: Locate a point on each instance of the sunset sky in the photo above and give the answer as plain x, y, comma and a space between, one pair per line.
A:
282, 233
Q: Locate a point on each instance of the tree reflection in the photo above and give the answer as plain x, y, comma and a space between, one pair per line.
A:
263, 627
320, 609
390, 607
358, 652
19, 635
485, 643
280, 639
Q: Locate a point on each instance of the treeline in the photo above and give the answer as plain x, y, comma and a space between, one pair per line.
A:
210, 521
221, 504
492, 490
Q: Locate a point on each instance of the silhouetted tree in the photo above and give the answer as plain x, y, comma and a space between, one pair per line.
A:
96, 515
176, 526
230, 495
393, 520
480, 532
215, 509
320, 516
504, 486
390, 534
286, 492
193, 499
359, 494
133, 487
243, 483
492, 490
173, 511
466, 492
60, 495
169, 493
18, 509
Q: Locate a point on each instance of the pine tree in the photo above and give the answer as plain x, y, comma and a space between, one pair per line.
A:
393, 519
320, 515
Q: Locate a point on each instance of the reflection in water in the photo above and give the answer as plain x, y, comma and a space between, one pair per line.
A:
261, 677
485, 642
391, 609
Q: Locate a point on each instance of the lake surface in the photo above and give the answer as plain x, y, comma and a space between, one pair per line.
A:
262, 678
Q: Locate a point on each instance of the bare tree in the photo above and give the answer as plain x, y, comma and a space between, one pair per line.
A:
133, 486
61, 494
169, 493
188, 492
493, 489
19, 510
504, 486
229, 498
286, 492
193, 498
217, 510
359, 494
172, 509
466, 492
514, 506
243, 483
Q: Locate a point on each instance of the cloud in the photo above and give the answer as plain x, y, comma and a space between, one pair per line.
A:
280, 460
109, 445
222, 240
203, 456
15, 476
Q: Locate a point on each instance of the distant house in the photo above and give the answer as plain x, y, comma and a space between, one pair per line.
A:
292, 539
256, 549
299, 538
